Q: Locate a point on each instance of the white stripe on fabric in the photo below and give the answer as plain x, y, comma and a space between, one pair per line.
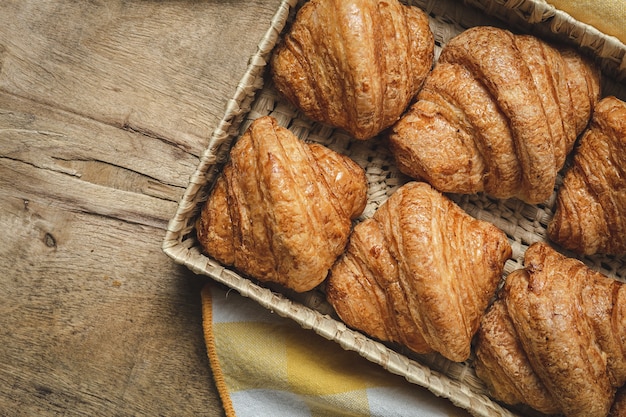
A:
265, 402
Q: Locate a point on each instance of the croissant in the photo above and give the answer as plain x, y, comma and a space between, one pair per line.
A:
590, 215
498, 114
555, 339
354, 64
419, 272
282, 209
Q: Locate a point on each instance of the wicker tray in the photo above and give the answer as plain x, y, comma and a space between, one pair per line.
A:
524, 224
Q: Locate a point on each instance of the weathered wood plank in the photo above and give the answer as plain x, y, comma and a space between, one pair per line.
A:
86, 166
94, 319
104, 110
61, 141
155, 67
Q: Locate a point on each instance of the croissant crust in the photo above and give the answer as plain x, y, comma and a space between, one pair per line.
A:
282, 210
354, 64
420, 272
498, 114
590, 215
555, 339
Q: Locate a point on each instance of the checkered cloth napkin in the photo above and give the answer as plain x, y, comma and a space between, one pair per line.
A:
267, 365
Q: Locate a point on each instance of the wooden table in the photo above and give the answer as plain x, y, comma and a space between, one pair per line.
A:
105, 108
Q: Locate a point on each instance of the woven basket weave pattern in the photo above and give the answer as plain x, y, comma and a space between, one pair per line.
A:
524, 224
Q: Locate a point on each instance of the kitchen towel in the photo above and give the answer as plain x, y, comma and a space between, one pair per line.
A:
267, 365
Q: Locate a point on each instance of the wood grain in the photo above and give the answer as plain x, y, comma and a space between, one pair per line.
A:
104, 110
156, 67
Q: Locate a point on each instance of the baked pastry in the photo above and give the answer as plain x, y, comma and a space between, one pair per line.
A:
420, 272
556, 337
498, 114
354, 64
590, 215
282, 209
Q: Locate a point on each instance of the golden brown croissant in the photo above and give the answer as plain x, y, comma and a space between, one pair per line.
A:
354, 64
420, 272
590, 215
282, 209
556, 337
498, 114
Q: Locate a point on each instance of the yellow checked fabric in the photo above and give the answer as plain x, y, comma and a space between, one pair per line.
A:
608, 16
267, 365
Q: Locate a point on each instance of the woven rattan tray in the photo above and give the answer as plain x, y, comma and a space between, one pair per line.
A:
523, 224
